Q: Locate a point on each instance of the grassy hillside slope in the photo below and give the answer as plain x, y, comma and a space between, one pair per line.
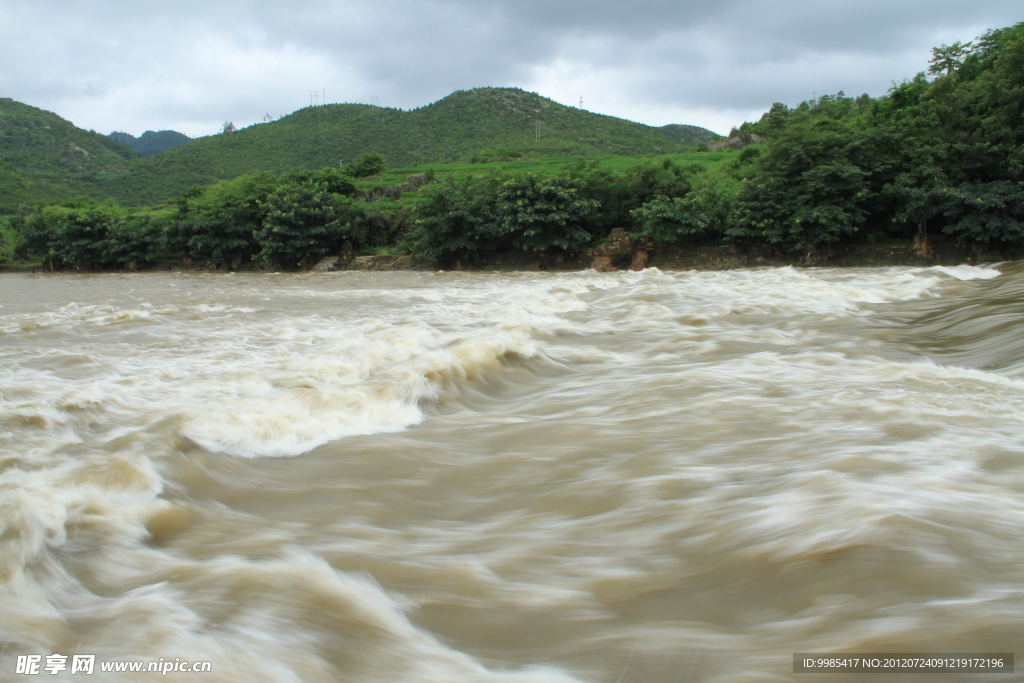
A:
45, 159
449, 130
45, 149
49, 159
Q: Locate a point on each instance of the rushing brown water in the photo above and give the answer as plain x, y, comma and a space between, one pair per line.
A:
511, 477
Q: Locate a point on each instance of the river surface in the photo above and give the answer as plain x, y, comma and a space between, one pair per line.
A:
511, 477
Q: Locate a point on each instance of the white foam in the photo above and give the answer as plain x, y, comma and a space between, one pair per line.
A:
300, 402
966, 272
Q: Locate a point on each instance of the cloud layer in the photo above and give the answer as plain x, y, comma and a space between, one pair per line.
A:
120, 65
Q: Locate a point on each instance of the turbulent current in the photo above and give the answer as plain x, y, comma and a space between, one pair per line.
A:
494, 477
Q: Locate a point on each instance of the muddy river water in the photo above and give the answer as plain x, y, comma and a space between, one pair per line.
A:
511, 477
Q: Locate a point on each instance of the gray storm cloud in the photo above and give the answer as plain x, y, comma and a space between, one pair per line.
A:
192, 65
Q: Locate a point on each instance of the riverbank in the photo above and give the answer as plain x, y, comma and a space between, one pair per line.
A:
935, 252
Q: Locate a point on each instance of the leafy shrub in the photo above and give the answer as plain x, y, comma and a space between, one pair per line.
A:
458, 220
540, 214
702, 215
308, 215
220, 221
87, 236
133, 240
809, 187
987, 212
366, 165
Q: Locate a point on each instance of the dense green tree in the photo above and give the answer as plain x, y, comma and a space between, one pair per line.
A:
133, 240
541, 214
220, 221
909, 192
618, 195
308, 215
610, 190
458, 220
665, 179
80, 237
702, 215
966, 134
671, 220
948, 58
32, 235
810, 187
987, 212
366, 165
80, 234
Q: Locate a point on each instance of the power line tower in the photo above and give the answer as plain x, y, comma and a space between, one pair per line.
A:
313, 95
581, 101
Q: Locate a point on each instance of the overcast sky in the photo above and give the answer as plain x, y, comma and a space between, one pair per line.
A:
135, 65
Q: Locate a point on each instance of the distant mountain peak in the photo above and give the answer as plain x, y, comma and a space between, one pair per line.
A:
151, 142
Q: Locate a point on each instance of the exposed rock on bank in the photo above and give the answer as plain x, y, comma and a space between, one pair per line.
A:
607, 256
736, 142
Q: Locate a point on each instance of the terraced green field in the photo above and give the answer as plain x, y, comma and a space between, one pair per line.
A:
546, 167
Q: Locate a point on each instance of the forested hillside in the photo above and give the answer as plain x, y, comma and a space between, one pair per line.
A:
482, 123
44, 156
462, 125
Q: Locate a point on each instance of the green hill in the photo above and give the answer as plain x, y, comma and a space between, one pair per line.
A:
452, 129
56, 159
151, 142
39, 142
45, 156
